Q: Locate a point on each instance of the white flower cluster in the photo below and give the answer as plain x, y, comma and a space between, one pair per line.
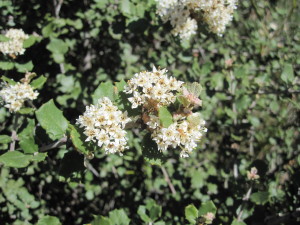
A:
104, 123
152, 89
14, 46
15, 95
185, 132
216, 13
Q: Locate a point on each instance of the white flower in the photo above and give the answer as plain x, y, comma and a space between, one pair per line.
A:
216, 13
14, 46
184, 133
104, 123
15, 95
154, 87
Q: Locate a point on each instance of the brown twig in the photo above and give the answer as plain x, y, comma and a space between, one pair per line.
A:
14, 136
167, 178
53, 145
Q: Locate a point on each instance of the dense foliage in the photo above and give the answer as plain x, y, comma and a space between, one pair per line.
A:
81, 49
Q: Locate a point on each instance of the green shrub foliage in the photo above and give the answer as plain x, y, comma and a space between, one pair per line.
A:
244, 84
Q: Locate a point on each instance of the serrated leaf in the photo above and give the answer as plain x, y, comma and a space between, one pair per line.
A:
7, 80
155, 211
15, 159
260, 197
191, 213
26, 137
120, 85
26, 110
150, 151
101, 220
143, 215
48, 220
165, 116
52, 120
104, 90
288, 73
78, 140
57, 46
22, 68
38, 83
29, 41
236, 222
5, 139
119, 217
194, 88
206, 207
125, 6
6, 65
39, 157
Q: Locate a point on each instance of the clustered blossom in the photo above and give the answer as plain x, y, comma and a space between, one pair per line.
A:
209, 217
252, 174
152, 89
15, 95
14, 46
216, 13
104, 123
185, 132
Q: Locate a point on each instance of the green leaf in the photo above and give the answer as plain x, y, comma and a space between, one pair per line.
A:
150, 151
29, 41
15, 159
78, 139
288, 73
104, 90
125, 6
22, 68
191, 213
165, 116
7, 80
3, 38
194, 88
48, 220
26, 137
120, 85
260, 197
57, 46
119, 217
26, 110
143, 215
236, 222
154, 209
101, 220
39, 157
206, 207
58, 57
6, 65
5, 139
38, 83
52, 120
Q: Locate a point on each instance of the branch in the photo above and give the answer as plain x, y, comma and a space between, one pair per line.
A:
245, 199
90, 167
167, 178
57, 7
53, 145
14, 136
